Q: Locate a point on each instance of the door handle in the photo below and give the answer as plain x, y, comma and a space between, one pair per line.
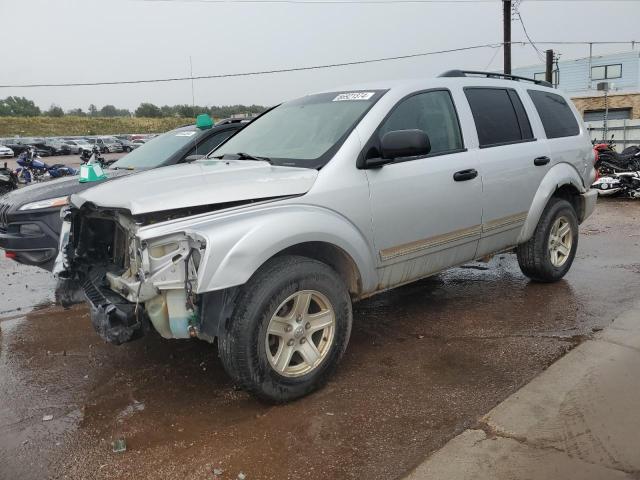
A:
538, 162
463, 175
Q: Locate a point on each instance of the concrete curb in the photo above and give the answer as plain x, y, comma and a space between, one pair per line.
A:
579, 419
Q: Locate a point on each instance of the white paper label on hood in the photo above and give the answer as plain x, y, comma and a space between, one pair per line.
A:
354, 96
185, 134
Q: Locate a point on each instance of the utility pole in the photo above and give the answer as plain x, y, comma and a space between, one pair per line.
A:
548, 76
590, 86
506, 13
604, 87
193, 95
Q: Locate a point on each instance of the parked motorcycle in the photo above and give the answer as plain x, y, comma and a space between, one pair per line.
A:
8, 180
95, 152
618, 173
33, 169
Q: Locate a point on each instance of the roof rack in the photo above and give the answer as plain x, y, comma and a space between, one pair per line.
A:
466, 73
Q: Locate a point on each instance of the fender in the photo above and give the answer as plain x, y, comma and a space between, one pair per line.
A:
238, 243
557, 176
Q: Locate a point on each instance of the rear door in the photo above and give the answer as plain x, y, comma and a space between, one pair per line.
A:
567, 140
512, 163
423, 219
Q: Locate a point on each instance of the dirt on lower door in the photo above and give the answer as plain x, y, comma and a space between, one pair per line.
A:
424, 362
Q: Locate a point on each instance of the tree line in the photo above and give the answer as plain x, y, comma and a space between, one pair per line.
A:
23, 107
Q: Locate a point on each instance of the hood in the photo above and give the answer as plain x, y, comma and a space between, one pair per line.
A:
206, 182
53, 188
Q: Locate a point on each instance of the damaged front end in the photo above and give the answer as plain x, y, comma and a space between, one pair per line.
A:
129, 283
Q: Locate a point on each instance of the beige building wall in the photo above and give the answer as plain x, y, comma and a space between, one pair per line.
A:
622, 100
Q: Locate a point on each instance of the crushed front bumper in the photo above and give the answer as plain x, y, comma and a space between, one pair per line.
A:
115, 319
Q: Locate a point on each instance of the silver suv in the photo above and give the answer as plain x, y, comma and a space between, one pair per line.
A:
326, 200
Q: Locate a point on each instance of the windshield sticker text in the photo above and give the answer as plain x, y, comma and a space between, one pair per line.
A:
353, 96
185, 134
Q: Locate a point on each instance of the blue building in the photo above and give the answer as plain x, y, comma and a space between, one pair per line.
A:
579, 78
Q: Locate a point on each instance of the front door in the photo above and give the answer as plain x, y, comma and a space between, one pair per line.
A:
424, 219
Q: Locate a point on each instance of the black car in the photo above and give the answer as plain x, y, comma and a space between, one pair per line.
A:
127, 146
30, 217
20, 144
44, 146
55, 146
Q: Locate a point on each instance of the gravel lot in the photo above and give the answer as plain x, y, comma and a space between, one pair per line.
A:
424, 362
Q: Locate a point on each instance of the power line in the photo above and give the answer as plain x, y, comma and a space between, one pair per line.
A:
313, 2
495, 54
622, 42
313, 67
370, 2
261, 72
516, 11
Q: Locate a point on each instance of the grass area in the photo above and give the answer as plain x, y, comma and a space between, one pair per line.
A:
68, 125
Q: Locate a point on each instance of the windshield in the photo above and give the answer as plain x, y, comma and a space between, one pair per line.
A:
158, 150
303, 132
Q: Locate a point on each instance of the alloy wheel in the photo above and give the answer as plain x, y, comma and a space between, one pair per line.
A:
300, 333
560, 241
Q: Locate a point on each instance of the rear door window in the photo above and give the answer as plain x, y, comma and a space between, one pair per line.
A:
557, 118
499, 116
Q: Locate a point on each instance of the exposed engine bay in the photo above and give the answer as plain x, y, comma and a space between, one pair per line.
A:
131, 284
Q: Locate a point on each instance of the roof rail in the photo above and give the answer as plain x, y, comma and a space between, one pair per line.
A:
226, 121
467, 73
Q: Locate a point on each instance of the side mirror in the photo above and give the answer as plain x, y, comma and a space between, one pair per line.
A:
404, 143
193, 158
398, 144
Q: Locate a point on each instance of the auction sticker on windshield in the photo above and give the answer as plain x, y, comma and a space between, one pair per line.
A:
354, 96
185, 134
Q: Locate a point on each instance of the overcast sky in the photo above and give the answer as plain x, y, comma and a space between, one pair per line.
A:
44, 41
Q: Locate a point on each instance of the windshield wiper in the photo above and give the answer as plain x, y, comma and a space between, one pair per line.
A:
246, 156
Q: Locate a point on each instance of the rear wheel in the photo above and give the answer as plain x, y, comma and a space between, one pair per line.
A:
289, 329
548, 255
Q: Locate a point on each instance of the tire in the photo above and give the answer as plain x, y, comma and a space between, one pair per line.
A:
249, 353
536, 257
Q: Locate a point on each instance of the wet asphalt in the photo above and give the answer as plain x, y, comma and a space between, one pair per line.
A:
425, 361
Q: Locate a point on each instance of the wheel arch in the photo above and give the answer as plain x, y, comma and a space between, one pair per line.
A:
563, 181
236, 254
335, 257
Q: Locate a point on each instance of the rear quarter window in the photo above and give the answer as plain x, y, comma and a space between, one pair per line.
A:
557, 117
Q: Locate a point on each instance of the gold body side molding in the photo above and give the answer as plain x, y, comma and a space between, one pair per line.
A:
511, 221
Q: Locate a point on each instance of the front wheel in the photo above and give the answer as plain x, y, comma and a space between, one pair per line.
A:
290, 326
548, 255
